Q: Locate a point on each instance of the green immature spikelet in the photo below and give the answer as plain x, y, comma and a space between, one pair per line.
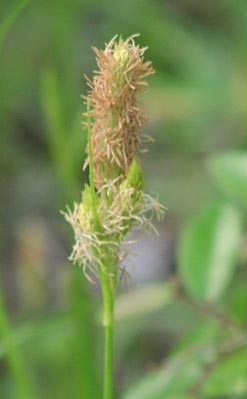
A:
86, 210
134, 182
135, 176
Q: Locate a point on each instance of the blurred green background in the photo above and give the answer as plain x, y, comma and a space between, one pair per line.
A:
50, 334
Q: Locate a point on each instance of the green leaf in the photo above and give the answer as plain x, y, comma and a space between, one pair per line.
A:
23, 335
14, 358
62, 136
229, 171
144, 300
185, 368
228, 378
238, 300
54, 115
182, 370
206, 333
170, 381
208, 251
10, 18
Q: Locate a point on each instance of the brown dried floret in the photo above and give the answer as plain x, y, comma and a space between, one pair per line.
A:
118, 116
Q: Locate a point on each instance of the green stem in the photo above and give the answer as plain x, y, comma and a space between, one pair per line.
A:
13, 357
108, 324
9, 19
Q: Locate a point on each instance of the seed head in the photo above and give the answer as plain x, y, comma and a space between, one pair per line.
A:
118, 116
105, 215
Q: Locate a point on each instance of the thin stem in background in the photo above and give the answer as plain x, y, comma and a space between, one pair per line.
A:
9, 19
13, 356
82, 345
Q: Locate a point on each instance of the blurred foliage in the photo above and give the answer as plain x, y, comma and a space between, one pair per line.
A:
177, 339
212, 240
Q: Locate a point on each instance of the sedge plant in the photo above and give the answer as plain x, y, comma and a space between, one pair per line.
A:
113, 203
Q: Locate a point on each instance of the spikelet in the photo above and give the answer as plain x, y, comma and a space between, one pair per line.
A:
123, 214
118, 116
117, 121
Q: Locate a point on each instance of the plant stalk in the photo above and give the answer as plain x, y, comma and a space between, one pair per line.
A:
108, 324
13, 357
